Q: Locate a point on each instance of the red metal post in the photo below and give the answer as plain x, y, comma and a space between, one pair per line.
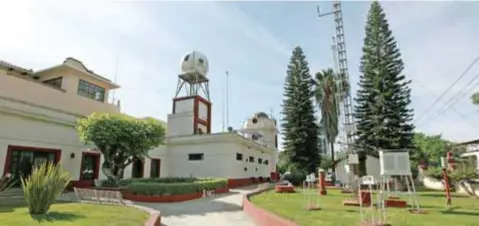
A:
450, 161
322, 183
448, 191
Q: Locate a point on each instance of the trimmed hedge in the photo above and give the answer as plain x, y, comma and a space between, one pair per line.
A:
172, 186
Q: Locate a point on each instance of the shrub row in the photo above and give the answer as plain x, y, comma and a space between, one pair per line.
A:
149, 187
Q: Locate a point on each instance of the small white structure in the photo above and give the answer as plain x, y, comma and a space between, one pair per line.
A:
372, 168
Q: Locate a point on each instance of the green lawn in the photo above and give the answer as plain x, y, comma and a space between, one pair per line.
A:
66, 214
465, 211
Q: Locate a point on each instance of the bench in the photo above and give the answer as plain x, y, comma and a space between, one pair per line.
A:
86, 195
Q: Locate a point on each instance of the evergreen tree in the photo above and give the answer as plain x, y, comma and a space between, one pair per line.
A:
300, 131
384, 117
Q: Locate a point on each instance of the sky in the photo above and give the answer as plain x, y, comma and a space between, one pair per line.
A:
253, 41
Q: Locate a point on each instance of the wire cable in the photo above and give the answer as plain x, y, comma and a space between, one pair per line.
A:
448, 89
469, 123
470, 85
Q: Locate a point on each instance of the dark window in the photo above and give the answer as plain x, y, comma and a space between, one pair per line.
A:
88, 167
201, 61
239, 156
55, 82
137, 168
155, 168
91, 91
187, 57
265, 162
251, 159
260, 160
254, 121
195, 157
254, 137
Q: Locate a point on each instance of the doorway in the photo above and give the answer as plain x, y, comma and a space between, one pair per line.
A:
137, 168
21, 160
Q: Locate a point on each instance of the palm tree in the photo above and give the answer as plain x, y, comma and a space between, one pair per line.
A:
327, 97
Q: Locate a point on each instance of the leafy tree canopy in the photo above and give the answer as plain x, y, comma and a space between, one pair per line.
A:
120, 138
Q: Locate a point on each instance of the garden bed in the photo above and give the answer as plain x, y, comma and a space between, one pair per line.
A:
168, 189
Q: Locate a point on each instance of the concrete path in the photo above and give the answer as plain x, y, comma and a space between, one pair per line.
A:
220, 210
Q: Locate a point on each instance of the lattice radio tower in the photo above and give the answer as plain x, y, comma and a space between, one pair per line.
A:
348, 127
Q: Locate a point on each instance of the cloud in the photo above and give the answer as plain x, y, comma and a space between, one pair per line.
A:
149, 38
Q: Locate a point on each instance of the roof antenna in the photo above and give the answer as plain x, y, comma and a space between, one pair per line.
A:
113, 99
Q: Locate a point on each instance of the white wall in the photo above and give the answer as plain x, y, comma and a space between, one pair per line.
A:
23, 131
219, 161
180, 124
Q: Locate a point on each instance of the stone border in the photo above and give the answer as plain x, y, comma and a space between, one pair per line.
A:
155, 215
260, 216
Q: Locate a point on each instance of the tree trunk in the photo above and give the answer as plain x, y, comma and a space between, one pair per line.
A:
109, 172
333, 177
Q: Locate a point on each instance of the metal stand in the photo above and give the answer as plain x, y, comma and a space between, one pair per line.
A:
385, 192
370, 215
312, 196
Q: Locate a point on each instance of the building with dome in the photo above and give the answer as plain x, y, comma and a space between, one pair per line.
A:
39, 109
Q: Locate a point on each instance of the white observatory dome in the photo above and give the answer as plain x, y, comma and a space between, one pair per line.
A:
194, 62
260, 121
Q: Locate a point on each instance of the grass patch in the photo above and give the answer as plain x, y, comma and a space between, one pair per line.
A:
74, 214
465, 211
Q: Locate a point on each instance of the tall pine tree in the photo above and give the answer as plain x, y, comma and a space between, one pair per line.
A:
383, 113
300, 131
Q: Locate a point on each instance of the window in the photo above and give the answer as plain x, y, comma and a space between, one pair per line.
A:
260, 160
251, 159
187, 57
201, 61
55, 82
91, 91
196, 157
239, 156
155, 168
89, 167
254, 121
265, 162
254, 137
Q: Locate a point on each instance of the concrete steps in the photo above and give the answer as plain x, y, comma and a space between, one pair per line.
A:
12, 197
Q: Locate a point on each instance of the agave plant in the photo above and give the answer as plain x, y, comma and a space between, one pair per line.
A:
44, 186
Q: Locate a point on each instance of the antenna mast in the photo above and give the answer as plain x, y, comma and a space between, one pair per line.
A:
113, 99
227, 99
340, 47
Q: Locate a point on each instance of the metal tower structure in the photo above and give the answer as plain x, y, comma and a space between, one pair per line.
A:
348, 126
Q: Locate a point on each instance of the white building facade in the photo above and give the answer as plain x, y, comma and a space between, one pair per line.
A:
38, 112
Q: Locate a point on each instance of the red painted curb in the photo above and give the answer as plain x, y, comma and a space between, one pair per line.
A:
154, 220
261, 216
168, 198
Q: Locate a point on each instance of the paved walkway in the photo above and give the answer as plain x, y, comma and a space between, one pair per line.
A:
220, 210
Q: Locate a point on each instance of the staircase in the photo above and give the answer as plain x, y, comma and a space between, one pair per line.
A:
12, 197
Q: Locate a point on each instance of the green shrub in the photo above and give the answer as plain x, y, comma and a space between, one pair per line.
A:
44, 186
464, 173
125, 182
149, 187
434, 172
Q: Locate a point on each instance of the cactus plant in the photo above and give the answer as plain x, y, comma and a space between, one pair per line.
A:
44, 186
